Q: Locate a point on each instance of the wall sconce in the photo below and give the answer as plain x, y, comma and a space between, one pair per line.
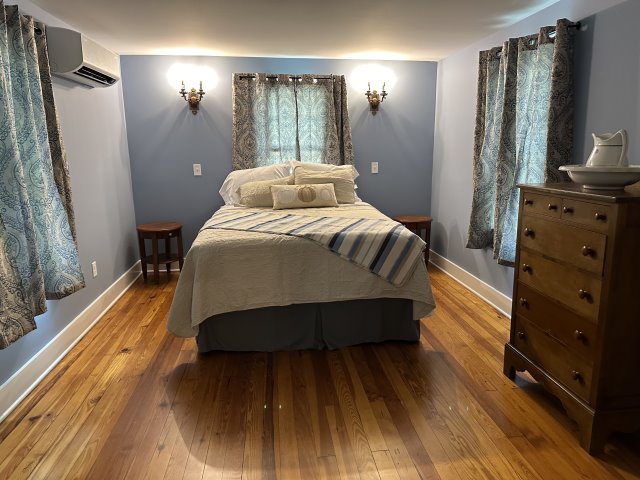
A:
375, 98
193, 97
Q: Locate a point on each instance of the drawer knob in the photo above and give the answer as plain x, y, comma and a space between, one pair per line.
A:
528, 201
551, 206
600, 216
523, 302
587, 251
578, 335
583, 294
576, 375
567, 209
521, 335
528, 232
526, 268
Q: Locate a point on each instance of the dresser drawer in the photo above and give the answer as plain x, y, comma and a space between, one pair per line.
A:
593, 215
574, 331
552, 356
541, 204
582, 248
577, 290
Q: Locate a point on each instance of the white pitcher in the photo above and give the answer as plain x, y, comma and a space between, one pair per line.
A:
609, 150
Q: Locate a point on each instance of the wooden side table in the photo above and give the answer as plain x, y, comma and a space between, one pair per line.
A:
417, 224
155, 232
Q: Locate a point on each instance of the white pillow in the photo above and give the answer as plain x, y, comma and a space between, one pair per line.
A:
231, 184
303, 196
341, 179
258, 194
322, 167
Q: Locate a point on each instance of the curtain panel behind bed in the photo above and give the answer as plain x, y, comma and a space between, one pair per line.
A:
277, 118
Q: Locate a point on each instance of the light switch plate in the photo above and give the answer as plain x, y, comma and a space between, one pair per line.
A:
197, 170
374, 167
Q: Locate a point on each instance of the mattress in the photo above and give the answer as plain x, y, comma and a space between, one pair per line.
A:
230, 270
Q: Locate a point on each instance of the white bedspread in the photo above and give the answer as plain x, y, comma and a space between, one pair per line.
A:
228, 270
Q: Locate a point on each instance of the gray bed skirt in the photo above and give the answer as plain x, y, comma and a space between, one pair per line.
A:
310, 326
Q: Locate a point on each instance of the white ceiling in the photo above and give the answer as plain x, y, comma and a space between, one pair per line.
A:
367, 29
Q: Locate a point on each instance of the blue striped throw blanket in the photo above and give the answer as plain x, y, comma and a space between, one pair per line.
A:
382, 246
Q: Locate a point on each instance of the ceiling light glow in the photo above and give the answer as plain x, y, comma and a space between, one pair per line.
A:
375, 55
192, 75
375, 73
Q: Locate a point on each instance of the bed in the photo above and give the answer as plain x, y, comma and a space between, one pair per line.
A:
247, 290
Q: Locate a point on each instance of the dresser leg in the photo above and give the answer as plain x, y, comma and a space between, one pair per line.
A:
509, 368
596, 429
510, 371
592, 440
593, 433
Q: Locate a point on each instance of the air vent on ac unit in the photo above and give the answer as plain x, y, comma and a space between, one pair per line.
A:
78, 58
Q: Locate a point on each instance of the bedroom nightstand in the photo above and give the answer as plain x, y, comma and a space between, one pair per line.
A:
154, 232
417, 224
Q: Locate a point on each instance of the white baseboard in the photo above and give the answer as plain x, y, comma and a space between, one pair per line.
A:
21, 383
162, 269
493, 297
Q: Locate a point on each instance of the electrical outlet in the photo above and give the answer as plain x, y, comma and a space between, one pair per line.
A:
374, 167
94, 269
197, 170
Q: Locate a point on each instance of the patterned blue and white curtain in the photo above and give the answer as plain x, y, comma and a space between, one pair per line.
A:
38, 254
277, 118
524, 130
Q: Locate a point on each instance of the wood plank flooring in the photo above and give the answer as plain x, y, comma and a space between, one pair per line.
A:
131, 401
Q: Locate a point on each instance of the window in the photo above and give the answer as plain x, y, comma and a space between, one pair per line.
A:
278, 118
524, 130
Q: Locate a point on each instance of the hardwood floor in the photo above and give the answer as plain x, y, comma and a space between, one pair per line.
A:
131, 401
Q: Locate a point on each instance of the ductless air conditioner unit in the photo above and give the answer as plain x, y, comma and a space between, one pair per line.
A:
78, 58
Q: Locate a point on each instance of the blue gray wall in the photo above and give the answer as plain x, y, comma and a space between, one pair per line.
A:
607, 82
165, 139
94, 134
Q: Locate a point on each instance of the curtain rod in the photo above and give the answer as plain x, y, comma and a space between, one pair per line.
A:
293, 77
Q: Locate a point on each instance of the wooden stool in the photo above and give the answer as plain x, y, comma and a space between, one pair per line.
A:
417, 223
154, 232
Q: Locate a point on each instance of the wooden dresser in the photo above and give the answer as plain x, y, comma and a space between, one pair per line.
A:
575, 323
